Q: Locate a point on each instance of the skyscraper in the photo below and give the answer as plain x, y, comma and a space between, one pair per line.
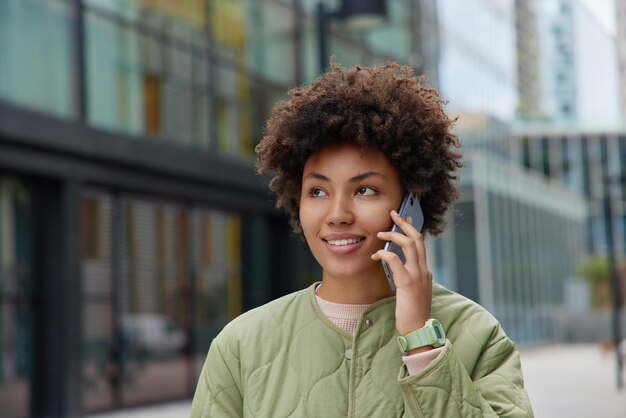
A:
527, 44
620, 6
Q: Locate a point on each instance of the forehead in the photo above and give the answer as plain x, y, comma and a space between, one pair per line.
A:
347, 158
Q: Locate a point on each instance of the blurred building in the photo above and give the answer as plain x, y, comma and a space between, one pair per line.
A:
598, 85
620, 15
590, 162
477, 71
515, 240
477, 68
528, 71
557, 58
559, 45
577, 137
516, 237
132, 223
546, 60
580, 119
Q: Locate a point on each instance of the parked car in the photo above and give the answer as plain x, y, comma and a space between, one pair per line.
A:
153, 334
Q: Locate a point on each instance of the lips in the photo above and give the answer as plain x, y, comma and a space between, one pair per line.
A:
343, 243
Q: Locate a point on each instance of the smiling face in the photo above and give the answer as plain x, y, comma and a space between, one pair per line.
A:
347, 194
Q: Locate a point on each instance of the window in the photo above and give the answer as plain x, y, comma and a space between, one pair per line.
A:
90, 228
152, 104
167, 279
16, 298
30, 59
526, 152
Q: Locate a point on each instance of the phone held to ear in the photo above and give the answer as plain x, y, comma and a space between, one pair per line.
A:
410, 207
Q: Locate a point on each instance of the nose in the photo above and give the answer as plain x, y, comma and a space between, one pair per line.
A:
340, 212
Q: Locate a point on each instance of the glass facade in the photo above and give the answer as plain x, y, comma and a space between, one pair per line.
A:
186, 71
559, 45
36, 34
17, 324
160, 280
534, 251
152, 280
517, 240
147, 71
580, 161
477, 68
557, 53
199, 74
393, 39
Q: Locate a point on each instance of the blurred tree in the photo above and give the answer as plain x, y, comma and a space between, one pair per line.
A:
596, 271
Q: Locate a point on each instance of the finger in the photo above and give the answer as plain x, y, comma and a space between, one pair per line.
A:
407, 227
405, 224
393, 261
403, 277
407, 245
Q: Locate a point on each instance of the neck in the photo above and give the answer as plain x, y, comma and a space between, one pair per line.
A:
354, 291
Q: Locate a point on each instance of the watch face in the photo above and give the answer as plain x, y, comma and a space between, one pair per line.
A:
438, 332
439, 337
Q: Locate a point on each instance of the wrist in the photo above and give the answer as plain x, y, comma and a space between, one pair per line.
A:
419, 350
408, 327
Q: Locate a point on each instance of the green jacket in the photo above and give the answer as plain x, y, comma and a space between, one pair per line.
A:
286, 359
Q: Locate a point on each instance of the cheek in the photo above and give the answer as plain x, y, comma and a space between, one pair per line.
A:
379, 221
383, 227
382, 222
306, 220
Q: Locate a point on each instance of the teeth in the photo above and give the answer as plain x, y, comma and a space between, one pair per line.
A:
344, 241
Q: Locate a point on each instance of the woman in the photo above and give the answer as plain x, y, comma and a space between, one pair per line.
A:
344, 151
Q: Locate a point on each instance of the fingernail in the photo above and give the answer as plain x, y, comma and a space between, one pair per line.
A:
409, 220
393, 212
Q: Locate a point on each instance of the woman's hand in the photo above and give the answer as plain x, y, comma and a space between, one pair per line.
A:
413, 280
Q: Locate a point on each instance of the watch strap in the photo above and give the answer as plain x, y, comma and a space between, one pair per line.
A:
430, 334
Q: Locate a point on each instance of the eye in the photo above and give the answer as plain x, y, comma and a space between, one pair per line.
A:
317, 192
366, 191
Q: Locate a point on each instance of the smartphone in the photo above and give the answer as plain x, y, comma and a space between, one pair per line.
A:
410, 207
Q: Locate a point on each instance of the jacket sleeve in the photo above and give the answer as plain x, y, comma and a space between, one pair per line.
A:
217, 393
445, 388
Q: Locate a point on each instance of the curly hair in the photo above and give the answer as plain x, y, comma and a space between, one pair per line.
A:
386, 107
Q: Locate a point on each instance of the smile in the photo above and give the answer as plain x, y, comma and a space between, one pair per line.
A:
340, 242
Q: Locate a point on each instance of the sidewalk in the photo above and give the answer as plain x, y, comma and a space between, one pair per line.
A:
179, 409
573, 381
563, 381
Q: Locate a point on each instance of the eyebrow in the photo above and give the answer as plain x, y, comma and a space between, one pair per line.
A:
355, 179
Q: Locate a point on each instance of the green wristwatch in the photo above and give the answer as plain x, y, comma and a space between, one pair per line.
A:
430, 334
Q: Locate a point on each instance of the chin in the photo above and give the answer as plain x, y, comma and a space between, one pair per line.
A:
355, 273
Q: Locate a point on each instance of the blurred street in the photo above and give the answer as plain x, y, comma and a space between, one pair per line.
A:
573, 381
168, 410
563, 381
